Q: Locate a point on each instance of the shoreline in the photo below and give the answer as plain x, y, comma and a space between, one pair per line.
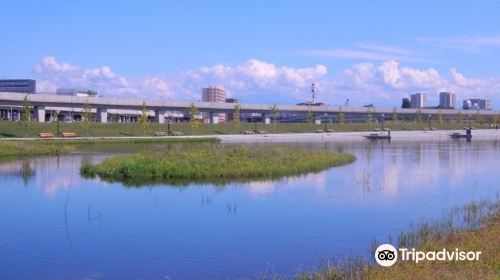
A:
413, 135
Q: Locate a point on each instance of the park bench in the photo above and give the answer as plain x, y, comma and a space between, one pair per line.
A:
46, 135
330, 130
319, 131
176, 133
261, 132
69, 134
249, 132
160, 133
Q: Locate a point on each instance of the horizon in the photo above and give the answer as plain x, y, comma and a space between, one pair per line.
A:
260, 52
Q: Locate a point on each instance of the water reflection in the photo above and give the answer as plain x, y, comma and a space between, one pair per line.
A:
57, 225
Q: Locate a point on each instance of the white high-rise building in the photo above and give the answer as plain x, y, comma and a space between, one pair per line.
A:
214, 94
447, 100
418, 100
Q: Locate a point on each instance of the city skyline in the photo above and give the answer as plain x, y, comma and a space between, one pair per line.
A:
260, 52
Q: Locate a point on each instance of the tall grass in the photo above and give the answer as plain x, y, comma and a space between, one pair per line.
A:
215, 163
473, 226
21, 149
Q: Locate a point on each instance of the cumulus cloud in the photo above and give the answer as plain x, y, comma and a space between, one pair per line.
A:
56, 74
259, 81
389, 80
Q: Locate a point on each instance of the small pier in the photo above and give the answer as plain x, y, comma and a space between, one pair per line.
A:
379, 136
467, 135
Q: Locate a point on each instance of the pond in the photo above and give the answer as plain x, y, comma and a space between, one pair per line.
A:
54, 224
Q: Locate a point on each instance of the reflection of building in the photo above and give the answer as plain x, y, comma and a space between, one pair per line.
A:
447, 100
475, 103
217, 95
418, 100
19, 85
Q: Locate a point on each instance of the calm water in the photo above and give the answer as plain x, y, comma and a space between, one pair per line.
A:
56, 225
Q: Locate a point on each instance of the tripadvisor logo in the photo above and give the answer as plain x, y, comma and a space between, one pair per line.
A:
387, 255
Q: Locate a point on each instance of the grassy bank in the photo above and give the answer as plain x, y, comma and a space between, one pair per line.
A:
473, 227
15, 129
214, 164
22, 149
14, 149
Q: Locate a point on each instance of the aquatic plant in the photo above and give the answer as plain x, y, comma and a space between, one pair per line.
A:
214, 163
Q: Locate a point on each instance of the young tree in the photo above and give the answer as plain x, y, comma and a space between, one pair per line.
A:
460, 118
309, 118
479, 119
193, 117
274, 115
495, 119
440, 118
369, 117
144, 118
419, 118
26, 115
87, 117
341, 119
394, 118
236, 116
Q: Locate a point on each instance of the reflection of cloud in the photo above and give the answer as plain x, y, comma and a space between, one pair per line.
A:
316, 181
54, 174
261, 188
390, 179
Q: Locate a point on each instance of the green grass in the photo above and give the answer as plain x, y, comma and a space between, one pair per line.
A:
214, 163
10, 149
15, 129
473, 227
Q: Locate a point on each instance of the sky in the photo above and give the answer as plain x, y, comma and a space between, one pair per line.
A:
367, 52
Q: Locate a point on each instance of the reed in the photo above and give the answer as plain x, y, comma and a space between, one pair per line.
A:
22, 149
472, 227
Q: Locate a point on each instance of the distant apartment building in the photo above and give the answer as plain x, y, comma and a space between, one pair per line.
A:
418, 100
76, 92
447, 100
214, 94
18, 85
477, 104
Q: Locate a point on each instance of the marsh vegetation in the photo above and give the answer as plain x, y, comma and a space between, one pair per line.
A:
214, 163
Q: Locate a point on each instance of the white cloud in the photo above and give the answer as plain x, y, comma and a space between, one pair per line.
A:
258, 81
366, 52
462, 43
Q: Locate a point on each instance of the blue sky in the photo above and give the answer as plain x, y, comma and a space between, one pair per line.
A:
261, 51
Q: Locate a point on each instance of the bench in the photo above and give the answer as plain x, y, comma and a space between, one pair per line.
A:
176, 133
68, 134
319, 131
46, 135
330, 130
160, 133
261, 132
249, 132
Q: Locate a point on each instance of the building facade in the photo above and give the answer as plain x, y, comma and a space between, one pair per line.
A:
478, 104
447, 100
76, 92
418, 100
18, 85
214, 94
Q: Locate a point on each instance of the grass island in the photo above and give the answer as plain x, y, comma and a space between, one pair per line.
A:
215, 163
